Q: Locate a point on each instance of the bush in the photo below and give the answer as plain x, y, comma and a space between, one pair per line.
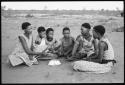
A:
122, 14
120, 29
29, 16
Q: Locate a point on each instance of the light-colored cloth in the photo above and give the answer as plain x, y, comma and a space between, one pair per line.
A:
42, 46
88, 46
108, 54
85, 46
51, 48
92, 67
89, 66
54, 62
52, 43
19, 56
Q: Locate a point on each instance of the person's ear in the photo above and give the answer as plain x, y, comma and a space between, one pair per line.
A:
24, 29
99, 35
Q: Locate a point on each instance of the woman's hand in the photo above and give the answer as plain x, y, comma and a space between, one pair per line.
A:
88, 59
30, 57
82, 51
38, 41
32, 47
65, 54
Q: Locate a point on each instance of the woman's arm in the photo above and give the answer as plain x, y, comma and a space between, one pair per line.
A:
75, 47
25, 47
96, 49
38, 40
76, 44
95, 43
100, 54
32, 46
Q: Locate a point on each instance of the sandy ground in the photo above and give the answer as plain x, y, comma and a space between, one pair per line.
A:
64, 73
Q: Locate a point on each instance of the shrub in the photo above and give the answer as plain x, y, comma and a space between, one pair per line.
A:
120, 29
29, 16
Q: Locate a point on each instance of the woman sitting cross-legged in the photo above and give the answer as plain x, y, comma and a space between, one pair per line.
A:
104, 60
24, 53
84, 45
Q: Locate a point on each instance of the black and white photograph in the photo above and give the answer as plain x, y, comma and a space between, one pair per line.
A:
62, 42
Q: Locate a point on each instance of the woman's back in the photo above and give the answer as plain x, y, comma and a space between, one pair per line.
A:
108, 54
19, 47
28, 41
19, 53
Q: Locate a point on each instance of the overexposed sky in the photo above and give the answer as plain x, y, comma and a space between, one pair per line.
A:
74, 5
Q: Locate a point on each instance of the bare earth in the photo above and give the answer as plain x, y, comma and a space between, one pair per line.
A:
64, 73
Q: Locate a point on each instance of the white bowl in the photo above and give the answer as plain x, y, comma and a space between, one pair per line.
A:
54, 62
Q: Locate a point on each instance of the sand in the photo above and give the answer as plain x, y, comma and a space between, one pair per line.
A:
63, 73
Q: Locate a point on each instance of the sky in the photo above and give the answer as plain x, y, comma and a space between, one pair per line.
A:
67, 5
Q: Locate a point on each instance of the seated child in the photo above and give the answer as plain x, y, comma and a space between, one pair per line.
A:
83, 47
66, 43
40, 42
46, 43
51, 43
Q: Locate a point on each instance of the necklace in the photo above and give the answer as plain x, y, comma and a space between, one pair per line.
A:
87, 37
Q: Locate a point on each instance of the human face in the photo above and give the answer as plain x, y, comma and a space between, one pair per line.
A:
50, 34
66, 33
84, 30
28, 30
95, 34
42, 34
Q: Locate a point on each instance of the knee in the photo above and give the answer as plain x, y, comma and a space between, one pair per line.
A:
74, 64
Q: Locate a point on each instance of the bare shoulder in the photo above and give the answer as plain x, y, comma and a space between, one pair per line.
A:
102, 44
37, 37
79, 37
61, 39
55, 40
22, 39
95, 40
72, 38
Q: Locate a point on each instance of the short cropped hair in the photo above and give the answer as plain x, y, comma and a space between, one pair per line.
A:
41, 29
66, 28
48, 30
100, 29
25, 25
86, 25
